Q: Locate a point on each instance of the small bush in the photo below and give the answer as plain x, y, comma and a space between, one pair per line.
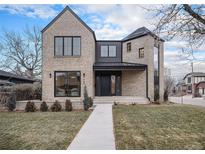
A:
156, 94
68, 105
43, 107
115, 103
56, 107
86, 99
166, 95
30, 107
8, 100
90, 102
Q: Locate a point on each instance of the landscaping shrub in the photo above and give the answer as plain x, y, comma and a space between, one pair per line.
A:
25, 91
30, 107
90, 102
43, 107
156, 94
56, 107
86, 99
37, 91
165, 95
8, 100
68, 105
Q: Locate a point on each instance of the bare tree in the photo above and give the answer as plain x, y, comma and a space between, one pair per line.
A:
21, 52
182, 21
168, 85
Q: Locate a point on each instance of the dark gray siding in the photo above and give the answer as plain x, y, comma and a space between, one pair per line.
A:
118, 57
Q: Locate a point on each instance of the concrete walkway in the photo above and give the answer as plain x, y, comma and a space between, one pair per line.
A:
97, 132
188, 100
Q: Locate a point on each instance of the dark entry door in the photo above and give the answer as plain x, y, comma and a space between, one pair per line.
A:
108, 84
105, 85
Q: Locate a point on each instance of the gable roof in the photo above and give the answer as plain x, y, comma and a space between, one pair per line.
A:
11, 75
195, 74
67, 8
139, 33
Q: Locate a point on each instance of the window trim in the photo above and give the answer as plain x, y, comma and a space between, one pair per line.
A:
63, 46
139, 53
108, 51
129, 43
67, 83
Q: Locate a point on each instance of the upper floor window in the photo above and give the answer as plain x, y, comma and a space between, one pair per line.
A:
108, 51
67, 45
128, 46
189, 80
141, 53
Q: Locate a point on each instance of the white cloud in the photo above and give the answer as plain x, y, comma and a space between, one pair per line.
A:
35, 11
123, 18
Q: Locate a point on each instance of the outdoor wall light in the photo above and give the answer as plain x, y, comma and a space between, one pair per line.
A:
50, 75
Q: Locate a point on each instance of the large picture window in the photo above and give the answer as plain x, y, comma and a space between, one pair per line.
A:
67, 84
108, 51
67, 45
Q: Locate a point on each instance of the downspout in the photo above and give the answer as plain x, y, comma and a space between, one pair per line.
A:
147, 83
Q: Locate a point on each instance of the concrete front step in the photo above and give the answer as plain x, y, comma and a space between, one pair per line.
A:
120, 99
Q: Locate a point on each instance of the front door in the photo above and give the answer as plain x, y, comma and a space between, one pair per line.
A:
108, 84
105, 85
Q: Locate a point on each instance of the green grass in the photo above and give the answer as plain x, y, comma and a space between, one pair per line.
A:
48, 130
159, 127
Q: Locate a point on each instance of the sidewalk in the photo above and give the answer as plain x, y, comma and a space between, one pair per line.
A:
188, 100
97, 132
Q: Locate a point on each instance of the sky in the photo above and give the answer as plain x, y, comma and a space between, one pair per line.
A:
108, 22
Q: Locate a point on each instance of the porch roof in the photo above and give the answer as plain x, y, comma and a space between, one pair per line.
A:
118, 66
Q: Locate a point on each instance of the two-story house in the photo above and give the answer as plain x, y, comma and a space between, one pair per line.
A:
121, 70
197, 79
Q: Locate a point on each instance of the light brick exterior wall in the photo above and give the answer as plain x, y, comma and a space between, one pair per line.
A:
134, 83
161, 73
67, 25
146, 42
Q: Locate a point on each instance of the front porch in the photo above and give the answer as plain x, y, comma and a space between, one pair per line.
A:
120, 82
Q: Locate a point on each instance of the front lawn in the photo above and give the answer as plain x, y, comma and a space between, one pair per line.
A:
49, 130
159, 127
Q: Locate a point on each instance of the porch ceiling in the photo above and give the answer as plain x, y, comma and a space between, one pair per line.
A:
118, 66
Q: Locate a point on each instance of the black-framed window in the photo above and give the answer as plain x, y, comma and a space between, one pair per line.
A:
189, 79
141, 53
67, 45
189, 87
58, 46
129, 47
108, 50
67, 84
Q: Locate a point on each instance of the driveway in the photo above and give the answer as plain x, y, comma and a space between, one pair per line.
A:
97, 132
187, 99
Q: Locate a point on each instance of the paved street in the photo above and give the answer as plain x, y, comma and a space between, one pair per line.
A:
188, 100
97, 132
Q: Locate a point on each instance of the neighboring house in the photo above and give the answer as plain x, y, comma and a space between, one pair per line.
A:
197, 81
73, 58
7, 78
179, 88
200, 88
